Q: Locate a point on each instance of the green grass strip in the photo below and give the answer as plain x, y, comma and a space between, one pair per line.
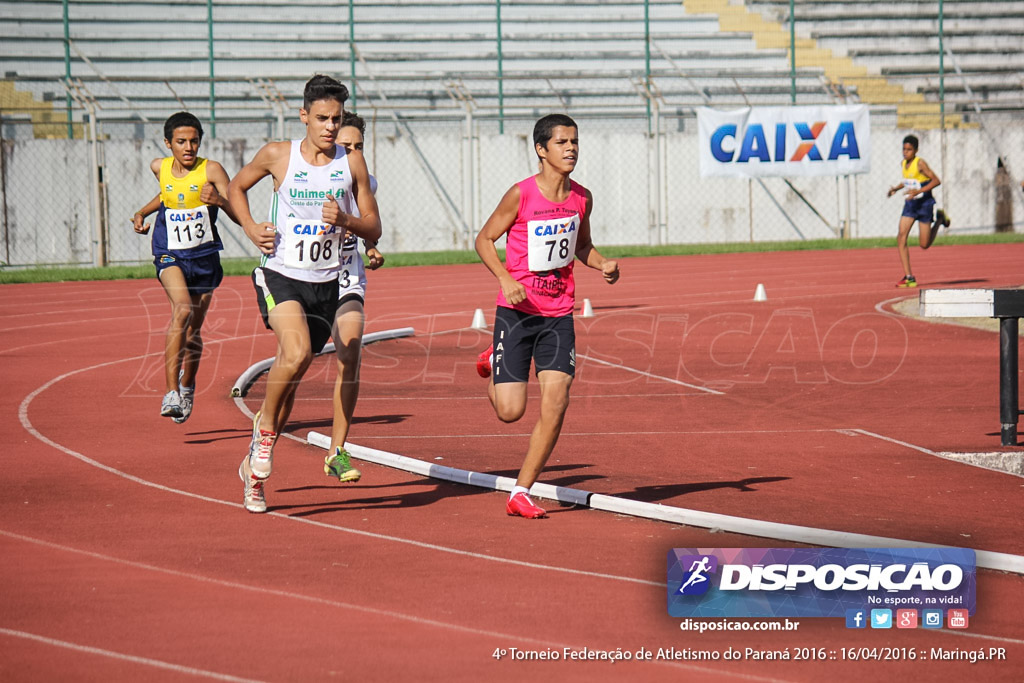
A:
244, 266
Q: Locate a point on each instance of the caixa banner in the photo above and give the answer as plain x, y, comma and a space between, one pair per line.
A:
817, 582
784, 141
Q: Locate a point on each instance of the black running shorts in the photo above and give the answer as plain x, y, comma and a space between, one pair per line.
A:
521, 337
319, 300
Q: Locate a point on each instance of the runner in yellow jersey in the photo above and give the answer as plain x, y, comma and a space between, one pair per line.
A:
918, 182
186, 252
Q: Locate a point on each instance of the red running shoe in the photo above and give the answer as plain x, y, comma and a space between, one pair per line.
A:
483, 363
520, 505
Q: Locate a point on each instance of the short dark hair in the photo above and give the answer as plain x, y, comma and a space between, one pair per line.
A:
323, 87
354, 120
182, 119
546, 125
912, 139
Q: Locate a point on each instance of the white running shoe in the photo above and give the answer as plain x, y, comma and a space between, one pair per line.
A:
171, 405
261, 450
252, 497
187, 395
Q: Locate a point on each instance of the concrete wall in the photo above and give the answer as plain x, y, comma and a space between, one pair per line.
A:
436, 190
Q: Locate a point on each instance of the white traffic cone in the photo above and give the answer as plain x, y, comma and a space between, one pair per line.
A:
478, 320
760, 294
588, 310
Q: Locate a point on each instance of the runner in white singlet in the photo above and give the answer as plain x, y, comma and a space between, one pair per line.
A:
311, 283
353, 131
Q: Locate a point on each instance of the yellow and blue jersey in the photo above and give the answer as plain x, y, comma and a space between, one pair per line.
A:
913, 178
185, 227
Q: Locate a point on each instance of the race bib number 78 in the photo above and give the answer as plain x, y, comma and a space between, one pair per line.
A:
551, 243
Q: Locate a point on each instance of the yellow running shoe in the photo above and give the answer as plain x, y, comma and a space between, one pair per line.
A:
338, 465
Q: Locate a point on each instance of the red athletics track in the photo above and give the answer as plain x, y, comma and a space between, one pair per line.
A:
126, 552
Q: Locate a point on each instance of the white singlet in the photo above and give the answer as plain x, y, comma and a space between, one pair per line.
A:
305, 248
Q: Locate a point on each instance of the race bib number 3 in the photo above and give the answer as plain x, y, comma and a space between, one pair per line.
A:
311, 245
188, 228
552, 242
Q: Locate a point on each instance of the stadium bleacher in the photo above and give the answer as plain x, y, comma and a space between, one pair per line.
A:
415, 54
983, 45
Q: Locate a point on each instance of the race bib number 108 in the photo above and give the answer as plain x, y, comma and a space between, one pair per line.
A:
551, 243
311, 245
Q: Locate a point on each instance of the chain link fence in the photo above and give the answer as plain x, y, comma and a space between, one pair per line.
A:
71, 201
450, 92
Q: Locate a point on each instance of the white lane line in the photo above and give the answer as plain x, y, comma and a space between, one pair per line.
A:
481, 397
110, 654
27, 424
618, 366
305, 598
922, 449
679, 432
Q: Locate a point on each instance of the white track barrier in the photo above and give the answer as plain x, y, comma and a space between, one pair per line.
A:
657, 511
588, 310
759, 293
246, 379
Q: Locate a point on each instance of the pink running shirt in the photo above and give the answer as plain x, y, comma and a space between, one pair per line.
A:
540, 248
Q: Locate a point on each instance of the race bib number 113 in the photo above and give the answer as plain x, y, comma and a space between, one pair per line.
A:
188, 228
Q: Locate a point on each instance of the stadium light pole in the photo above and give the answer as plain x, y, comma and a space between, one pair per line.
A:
352, 51
213, 94
501, 84
942, 74
792, 52
942, 96
67, 68
647, 59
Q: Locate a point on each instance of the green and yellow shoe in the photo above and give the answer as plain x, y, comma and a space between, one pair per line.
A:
338, 465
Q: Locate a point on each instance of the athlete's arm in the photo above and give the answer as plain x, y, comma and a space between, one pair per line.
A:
500, 222
895, 188
933, 181
215, 191
367, 224
268, 161
586, 252
154, 166
138, 220
375, 259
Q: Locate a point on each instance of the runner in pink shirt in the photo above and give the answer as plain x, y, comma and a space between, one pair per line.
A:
546, 219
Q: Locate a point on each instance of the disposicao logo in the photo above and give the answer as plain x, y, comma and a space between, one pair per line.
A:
696, 581
809, 582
